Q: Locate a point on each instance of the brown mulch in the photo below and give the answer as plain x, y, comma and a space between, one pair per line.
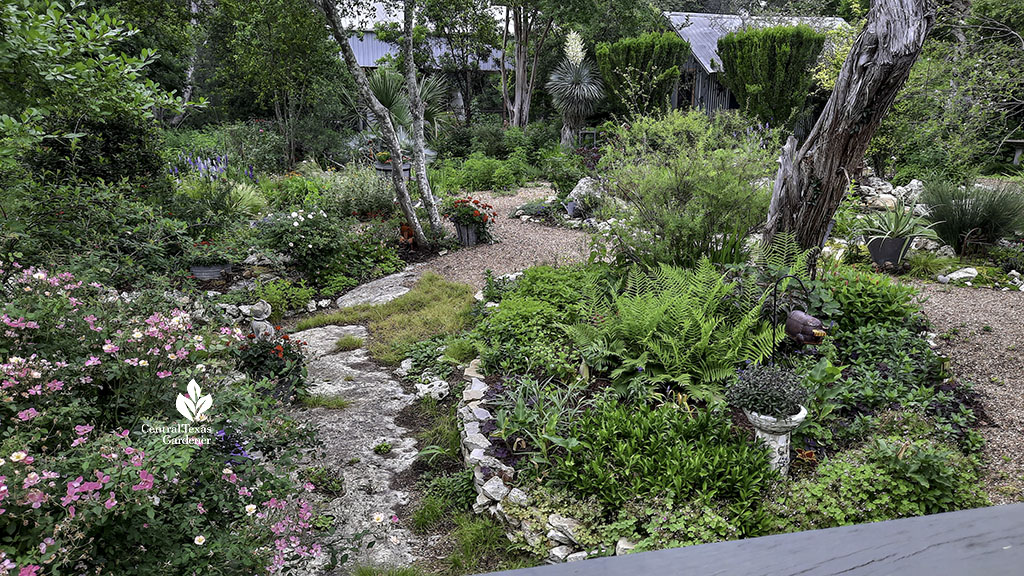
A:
519, 245
982, 331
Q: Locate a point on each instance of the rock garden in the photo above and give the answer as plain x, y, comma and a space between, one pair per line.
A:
269, 307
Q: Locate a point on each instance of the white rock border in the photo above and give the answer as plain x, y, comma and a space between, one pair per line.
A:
491, 479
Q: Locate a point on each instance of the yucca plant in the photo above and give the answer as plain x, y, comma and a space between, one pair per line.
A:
575, 88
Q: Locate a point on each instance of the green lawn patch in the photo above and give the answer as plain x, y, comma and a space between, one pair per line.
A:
433, 307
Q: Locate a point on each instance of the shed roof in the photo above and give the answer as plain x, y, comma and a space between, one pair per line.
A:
703, 30
369, 50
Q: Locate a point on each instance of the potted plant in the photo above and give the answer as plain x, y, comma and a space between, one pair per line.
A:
209, 260
383, 164
472, 218
889, 234
771, 398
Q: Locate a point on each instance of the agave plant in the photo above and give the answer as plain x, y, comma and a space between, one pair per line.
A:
898, 223
575, 89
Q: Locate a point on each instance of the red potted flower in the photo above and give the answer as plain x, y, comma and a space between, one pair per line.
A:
472, 218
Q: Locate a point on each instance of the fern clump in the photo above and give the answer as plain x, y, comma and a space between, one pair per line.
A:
675, 330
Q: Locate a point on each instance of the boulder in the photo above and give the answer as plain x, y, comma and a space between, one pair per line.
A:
576, 557
882, 202
517, 497
624, 546
878, 185
438, 389
558, 538
473, 371
404, 368
963, 274
559, 553
495, 489
565, 525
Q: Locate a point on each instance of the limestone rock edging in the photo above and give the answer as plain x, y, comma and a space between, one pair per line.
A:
492, 481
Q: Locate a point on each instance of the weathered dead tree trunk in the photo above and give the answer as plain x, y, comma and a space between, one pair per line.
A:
381, 113
418, 109
812, 180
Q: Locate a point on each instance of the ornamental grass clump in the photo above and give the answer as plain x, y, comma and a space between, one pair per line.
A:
768, 391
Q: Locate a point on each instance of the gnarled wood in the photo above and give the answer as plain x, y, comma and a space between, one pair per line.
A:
812, 180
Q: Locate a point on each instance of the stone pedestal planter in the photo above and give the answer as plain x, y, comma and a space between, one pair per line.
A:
775, 433
210, 272
467, 234
384, 169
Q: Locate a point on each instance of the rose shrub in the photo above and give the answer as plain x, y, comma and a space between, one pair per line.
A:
99, 472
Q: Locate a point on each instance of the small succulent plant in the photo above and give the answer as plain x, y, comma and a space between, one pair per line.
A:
767, 390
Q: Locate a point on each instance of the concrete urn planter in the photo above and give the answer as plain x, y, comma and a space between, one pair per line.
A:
775, 432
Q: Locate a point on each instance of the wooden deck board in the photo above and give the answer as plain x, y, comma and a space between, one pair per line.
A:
980, 542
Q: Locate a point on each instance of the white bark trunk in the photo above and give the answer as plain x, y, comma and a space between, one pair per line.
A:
417, 108
381, 113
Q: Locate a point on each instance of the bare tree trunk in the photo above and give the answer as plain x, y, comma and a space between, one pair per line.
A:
417, 108
340, 34
507, 108
521, 103
190, 72
813, 179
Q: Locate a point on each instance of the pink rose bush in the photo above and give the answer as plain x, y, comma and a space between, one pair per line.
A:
100, 473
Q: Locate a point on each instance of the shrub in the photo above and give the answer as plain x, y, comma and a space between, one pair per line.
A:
257, 143
624, 451
355, 191
323, 247
973, 213
891, 478
89, 436
124, 146
97, 230
278, 360
769, 70
640, 72
478, 172
283, 295
523, 334
488, 139
563, 169
866, 298
690, 188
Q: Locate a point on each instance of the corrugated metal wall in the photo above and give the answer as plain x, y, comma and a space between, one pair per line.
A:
708, 94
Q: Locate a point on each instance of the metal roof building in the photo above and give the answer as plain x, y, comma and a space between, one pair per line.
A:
370, 50
702, 32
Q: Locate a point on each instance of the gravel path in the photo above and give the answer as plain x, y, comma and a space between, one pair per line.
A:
519, 246
987, 349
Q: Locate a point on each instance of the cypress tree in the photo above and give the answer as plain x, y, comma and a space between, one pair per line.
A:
769, 69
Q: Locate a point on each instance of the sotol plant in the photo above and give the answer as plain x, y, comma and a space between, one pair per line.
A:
575, 88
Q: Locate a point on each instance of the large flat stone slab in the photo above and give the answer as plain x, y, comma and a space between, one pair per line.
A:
382, 290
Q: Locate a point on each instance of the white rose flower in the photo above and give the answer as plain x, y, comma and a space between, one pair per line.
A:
200, 540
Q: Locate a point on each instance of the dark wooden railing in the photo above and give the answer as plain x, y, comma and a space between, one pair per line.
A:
981, 542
